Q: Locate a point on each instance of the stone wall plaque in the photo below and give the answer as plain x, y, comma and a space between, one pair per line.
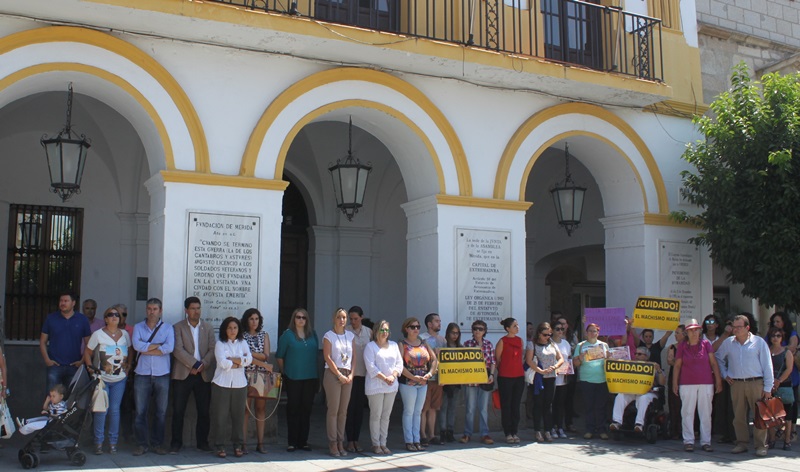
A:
222, 263
483, 277
679, 276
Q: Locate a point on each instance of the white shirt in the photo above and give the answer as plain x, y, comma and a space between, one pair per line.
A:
386, 361
341, 349
196, 336
566, 353
225, 375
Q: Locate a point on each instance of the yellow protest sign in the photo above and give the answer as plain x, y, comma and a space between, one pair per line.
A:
462, 365
657, 313
629, 376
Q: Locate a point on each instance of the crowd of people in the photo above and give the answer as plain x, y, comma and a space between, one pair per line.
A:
716, 374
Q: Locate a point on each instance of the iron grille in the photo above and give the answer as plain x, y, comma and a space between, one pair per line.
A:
44, 259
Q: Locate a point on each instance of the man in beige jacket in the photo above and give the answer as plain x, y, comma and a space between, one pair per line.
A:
192, 371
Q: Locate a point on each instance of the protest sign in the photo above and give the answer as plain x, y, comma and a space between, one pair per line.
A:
629, 376
657, 313
462, 365
619, 353
610, 320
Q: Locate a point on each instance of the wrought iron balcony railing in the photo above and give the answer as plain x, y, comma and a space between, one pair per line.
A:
568, 31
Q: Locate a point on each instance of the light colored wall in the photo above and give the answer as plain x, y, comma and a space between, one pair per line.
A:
775, 20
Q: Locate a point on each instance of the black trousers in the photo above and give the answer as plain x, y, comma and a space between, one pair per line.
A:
181, 390
355, 409
299, 399
543, 405
511, 389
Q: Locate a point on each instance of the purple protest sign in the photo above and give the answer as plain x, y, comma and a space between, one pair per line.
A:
610, 320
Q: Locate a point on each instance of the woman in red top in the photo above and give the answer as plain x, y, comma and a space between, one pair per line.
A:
510, 378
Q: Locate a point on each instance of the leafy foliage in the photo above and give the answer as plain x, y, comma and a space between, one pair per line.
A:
747, 185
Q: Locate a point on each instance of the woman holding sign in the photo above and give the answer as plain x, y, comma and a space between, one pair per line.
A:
695, 375
589, 357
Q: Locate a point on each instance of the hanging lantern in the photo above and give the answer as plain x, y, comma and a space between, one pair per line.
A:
568, 199
349, 180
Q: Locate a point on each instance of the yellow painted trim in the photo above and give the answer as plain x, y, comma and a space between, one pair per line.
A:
678, 108
662, 219
359, 75
238, 181
543, 116
287, 142
22, 74
126, 50
239, 15
474, 202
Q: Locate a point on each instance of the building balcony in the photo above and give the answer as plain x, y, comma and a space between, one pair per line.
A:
571, 32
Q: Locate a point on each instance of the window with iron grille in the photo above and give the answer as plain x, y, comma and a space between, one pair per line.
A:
44, 259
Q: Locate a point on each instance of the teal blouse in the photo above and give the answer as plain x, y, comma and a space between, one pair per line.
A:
299, 355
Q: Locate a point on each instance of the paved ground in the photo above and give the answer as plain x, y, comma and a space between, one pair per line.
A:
563, 455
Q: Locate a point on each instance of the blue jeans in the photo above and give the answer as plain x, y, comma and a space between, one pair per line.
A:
413, 399
144, 387
115, 391
480, 398
60, 374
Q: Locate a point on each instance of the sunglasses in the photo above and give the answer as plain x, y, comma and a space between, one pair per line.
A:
300, 317
559, 329
777, 336
383, 330
711, 322
545, 335
413, 326
478, 328
113, 313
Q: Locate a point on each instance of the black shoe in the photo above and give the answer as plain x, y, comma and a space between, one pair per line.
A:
204, 448
306, 448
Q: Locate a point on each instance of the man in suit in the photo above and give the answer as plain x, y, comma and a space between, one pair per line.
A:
192, 372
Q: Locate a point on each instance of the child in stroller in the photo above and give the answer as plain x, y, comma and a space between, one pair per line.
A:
54, 406
63, 431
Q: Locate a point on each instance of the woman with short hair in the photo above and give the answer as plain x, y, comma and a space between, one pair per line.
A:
478, 395
229, 385
510, 378
384, 366
419, 363
695, 378
589, 358
338, 349
297, 359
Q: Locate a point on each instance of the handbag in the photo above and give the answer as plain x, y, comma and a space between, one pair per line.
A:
768, 413
786, 394
257, 384
7, 427
530, 376
274, 379
100, 398
496, 399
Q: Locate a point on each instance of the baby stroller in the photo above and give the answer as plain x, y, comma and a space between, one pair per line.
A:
63, 433
655, 419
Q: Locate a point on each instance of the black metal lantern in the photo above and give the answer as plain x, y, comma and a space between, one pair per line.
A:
349, 180
568, 199
66, 157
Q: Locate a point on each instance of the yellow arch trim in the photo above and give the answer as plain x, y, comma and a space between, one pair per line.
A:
103, 74
132, 53
287, 142
543, 116
360, 75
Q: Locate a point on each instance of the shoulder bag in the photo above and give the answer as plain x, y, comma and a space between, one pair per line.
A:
768, 413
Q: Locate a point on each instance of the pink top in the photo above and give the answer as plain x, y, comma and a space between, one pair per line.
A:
695, 363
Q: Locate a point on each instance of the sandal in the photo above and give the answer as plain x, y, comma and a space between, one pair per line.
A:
688, 447
221, 454
261, 449
358, 448
290, 449
708, 448
411, 447
377, 450
238, 452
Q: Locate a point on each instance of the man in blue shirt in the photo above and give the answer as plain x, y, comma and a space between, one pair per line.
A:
745, 363
64, 333
154, 340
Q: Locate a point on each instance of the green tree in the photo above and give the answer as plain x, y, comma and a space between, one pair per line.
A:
746, 185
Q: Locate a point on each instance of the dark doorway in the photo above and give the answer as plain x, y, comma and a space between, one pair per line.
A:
572, 32
294, 255
381, 15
